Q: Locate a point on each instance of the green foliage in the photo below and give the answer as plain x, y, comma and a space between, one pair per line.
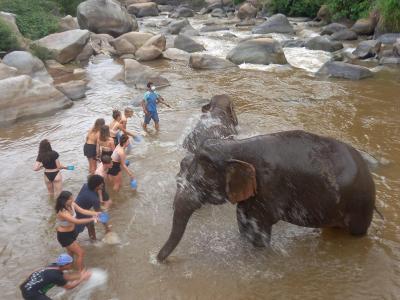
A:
351, 9
68, 7
8, 40
236, 2
35, 18
41, 52
298, 8
390, 14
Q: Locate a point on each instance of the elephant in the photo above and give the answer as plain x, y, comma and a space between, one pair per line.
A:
294, 176
218, 121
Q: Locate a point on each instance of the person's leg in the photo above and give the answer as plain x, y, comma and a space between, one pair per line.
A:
91, 231
117, 181
79, 253
92, 165
57, 184
156, 120
49, 185
147, 119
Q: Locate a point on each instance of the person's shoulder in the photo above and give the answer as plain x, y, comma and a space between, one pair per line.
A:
55, 154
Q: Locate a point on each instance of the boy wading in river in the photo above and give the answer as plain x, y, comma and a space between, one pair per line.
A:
150, 100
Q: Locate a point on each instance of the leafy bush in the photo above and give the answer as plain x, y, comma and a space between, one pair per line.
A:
8, 40
35, 18
41, 52
297, 8
351, 9
236, 2
68, 7
390, 14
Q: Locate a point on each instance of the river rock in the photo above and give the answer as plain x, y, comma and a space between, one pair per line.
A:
218, 13
396, 48
68, 23
176, 54
10, 20
143, 9
322, 43
332, 28
247, 11
205, 61
344, 70
100, 44
293, 43
136, 39
364, 26
344, 35
165, 8
21, 97
185, 43
140, 75
74, 90
62, 73
182, 12
324, 15
175, 27
213, 28
105, 16
123, 47
389, 38
27, 64
246, 22
189, 31
152, 48
262, 51
276, 24
389, 60
65, 45
367, 49
7, 71
130, 2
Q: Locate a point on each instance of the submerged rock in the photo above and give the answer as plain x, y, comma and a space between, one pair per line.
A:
205, 61
344, 70
176, 54
139, 75
322, 43
74, 90
185, 43
367, 49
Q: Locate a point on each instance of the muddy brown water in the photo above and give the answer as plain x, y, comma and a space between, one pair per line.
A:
212, 261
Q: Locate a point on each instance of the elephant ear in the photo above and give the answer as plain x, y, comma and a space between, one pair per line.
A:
233, 115
241, 182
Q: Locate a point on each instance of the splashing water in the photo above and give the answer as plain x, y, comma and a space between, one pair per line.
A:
97, 280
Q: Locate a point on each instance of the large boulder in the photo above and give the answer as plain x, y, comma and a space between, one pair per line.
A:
322, 43
27, 64
175, 27
74, 90
324, 15
176, 54
152, 48
143, 9
213, 28
185, 43
182, 12
66, 45
344, 35
105, 16
205, 61
139, 75
218, 13
7, 71
332, 28
10, 20
364, 26
62, 73
68, 23
389, 38
262, 51
21, 97
247, 11
129, 42
344, 70
367, 49
276, 24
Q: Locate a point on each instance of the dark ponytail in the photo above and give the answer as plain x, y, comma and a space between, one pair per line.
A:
62, 200
123, 139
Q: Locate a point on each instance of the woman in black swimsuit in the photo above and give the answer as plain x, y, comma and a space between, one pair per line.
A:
48, 159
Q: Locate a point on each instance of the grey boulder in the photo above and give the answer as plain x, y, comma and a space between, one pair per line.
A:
182, 12
323, 43
344, 35
276, 24
140, 10
344, 70
74, 90
332, 28
205, 61
139, 75
187, 44
367, 49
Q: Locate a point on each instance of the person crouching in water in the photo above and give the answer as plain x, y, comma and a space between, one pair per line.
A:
149, 104
119, 160
66, 210
39, 282
102, 169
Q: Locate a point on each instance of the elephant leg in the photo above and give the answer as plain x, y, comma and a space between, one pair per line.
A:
253, 224
360, 216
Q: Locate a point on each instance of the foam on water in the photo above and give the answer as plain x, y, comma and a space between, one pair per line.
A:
309, 60
97, 280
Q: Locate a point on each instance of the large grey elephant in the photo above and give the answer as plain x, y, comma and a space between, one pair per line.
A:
294, 176
218, 121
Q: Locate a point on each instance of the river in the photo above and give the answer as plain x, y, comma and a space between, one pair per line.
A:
212, 261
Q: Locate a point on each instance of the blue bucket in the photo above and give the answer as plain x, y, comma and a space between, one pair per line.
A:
104, 217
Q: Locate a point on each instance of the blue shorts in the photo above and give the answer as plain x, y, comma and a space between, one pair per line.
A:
151, 115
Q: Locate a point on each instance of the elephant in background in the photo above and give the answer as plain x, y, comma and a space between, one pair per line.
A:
294, 176
218, 121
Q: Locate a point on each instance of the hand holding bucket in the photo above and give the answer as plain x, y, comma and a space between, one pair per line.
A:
104, 217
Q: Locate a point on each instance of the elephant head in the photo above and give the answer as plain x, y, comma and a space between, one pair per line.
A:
218, 121
199, 181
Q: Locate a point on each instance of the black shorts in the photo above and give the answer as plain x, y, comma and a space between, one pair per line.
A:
90, 151
115, 169
33, 295
66, 238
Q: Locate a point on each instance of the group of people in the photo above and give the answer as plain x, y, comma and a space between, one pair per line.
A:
105, 149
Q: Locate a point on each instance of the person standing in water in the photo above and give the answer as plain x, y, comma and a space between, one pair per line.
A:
105, 145
66, 210
90, 147
102, 169
48, 159
149, 104
39, 282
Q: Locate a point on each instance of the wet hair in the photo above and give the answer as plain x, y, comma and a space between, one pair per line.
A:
149, 84
123, 139
106, 159
94, 181
44, 151
128, 110
62, 200
98, 124
116, 113
104, 133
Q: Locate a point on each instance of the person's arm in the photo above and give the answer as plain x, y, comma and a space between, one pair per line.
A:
59, 165
37, 166
67, 217
162, 100
144, 106
83, 211
124, 166
130, 133
74, 279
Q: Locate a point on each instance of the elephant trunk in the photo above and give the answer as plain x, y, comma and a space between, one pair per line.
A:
182, 212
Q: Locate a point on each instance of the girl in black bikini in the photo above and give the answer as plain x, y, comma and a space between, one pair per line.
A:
106, 142
48, 159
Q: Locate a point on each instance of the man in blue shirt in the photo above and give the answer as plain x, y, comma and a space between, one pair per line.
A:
150, 100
